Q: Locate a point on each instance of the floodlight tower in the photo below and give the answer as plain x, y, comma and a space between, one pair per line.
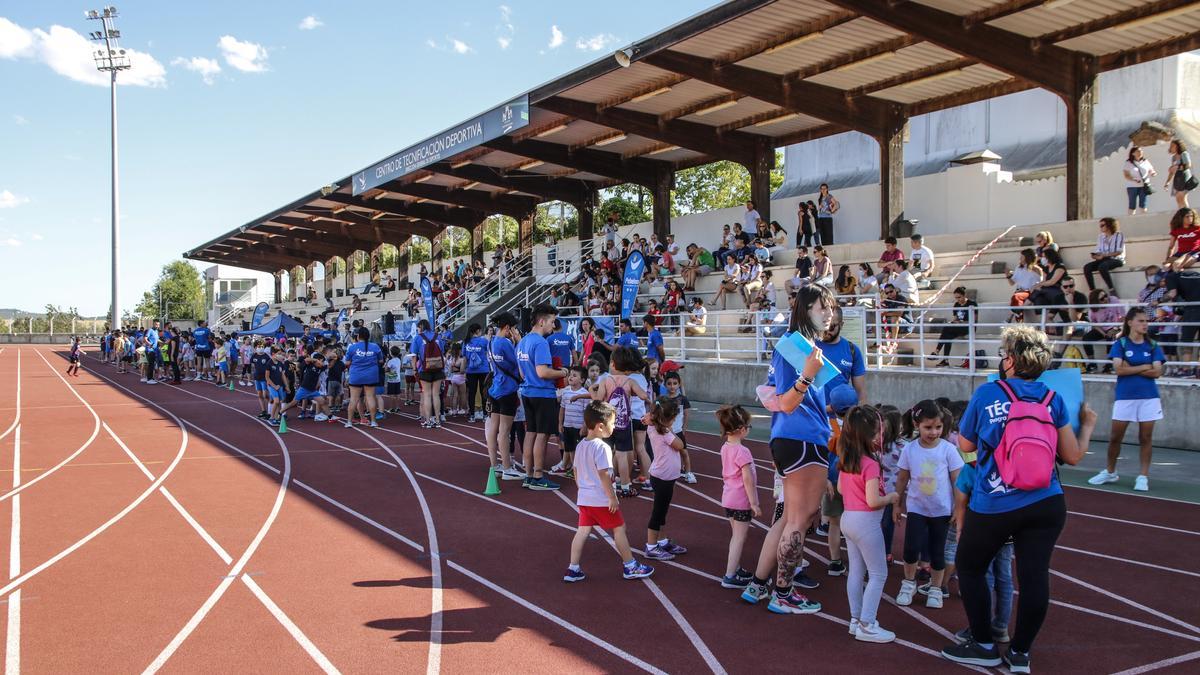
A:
111, 59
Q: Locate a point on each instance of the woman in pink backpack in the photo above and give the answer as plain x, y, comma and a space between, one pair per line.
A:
1032, 515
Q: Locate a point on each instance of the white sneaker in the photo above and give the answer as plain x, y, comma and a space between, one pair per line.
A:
143, 380
689, 478
349, 424
1105, 477
320, 417
557, 468
905, 596
873, 632
934, 599
1141, 484
854, 626
151, 381
512, 474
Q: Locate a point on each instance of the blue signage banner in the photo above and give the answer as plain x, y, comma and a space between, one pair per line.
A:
260, 313
406, 330
488, 126
341, 319
571, 327
427, 298
635, 266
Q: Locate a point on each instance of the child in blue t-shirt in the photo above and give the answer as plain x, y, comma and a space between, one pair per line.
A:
999, 574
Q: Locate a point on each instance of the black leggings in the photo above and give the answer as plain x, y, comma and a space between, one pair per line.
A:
1104, 266
1034, 530
889, 529
474, 388
925, 536
175, 370
950, 333
664, 490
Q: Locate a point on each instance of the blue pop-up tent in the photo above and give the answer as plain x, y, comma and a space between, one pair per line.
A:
291, 327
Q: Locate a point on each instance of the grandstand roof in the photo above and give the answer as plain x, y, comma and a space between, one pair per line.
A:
733, 83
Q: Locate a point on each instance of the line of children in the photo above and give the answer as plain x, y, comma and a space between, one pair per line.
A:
665, 469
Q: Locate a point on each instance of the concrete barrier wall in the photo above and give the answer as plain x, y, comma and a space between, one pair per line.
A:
735, 383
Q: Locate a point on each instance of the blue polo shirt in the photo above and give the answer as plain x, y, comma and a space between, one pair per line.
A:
201, 336
561, 346
809, 421
364, 359
532, 351
475, 351
847, 358
152, 338
1136, 387
983, 424
654, 345
627, 340
504, 368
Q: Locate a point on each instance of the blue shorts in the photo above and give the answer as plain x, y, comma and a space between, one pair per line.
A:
275, 392
303, 394
379, 391
260, 385
223, 366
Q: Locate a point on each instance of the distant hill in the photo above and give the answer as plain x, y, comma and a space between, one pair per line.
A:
9, 313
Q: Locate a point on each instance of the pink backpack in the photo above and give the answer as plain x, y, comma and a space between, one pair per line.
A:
1029, 445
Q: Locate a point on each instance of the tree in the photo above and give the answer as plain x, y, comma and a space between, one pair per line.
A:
627, 211
178, 294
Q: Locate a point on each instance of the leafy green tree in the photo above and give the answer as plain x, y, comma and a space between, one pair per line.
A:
179, 292
627, 211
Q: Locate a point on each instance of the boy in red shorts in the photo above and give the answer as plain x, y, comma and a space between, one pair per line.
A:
596, 500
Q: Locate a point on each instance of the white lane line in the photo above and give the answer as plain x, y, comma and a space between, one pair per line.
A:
563, 623
12, 642
1184, 658
1135, 523
17, 417
1131, 622
693, 637
320, 659
1105, 592
73, 455
1128, 561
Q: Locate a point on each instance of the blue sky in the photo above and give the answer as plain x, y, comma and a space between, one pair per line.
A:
235, 108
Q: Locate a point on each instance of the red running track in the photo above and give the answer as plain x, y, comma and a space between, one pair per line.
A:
187, 536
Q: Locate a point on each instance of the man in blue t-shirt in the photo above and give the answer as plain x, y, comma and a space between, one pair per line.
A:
502, 399
537, 391
561, 346
202, 336
153, 355
654, 339
475, 351
260, 360
627, 338
846, 357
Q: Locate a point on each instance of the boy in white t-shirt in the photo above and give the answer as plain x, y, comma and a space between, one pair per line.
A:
572, 400
597, 503
393, 376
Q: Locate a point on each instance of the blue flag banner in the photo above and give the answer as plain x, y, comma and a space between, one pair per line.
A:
427, 298
405, 330
635, 266
260, 313
795, 348
1068, 383
341, 319
571, 327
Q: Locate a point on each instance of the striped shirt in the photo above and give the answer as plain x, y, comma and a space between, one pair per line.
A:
1111, 243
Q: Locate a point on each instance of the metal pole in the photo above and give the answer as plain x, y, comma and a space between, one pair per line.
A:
116, 210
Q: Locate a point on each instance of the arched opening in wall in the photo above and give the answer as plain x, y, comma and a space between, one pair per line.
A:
389, 259
285, 286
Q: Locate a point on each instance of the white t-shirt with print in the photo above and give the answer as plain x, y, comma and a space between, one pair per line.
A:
591, 455
930, 490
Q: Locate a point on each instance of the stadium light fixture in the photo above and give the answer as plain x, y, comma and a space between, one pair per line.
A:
624, 57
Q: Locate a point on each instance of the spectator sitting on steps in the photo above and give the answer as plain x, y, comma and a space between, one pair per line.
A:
922, 263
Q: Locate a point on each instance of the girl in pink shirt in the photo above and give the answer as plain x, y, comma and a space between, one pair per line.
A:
861, 487
664, 471
739, 495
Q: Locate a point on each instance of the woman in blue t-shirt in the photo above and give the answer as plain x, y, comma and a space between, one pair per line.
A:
996, 512
799, 446
1138, 361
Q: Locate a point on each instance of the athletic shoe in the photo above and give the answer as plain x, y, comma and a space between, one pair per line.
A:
734, 582
689, 478
525, 482
572, 576
873, 632
837, 568
374, 424
792, 603
804, 564
923, 575
1103, 477
905, 596
636, 571
998, 635
569, 474
151, 381
557, 468
379, 416
627, 491
511, 474
1016, 661
1141, 484
143, 380
543, 483
923, 589
972, 654
349, 424
934, 601
804, 581
854, 624
643, 484
263, 415
672, 547
823, 529
320, 417
754, 592
658, 553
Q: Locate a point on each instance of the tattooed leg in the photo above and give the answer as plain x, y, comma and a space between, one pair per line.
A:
791, 551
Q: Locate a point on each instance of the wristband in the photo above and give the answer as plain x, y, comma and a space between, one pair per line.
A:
796, 387
806, 380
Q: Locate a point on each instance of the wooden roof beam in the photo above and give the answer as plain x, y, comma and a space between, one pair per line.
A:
547, 187
449, 215
632, 170
509, 205
1104, 23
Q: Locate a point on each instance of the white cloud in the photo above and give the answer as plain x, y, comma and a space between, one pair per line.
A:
460, 47
596, 42
310, 23
70, 54
20, 120
503, 42
9, 200
11, 241
36, 237
430, 43
248, 57
556, 37
208, 68
506, 29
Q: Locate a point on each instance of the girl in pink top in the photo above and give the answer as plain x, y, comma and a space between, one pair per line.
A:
664, 471
739, 495
861, 487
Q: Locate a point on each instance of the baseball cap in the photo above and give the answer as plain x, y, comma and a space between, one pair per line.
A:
668, 366
842, 398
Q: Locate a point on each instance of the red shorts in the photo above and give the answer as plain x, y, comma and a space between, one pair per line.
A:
600, 516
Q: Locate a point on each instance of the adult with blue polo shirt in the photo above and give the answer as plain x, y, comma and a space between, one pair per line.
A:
538, 395
561, 346
654, 339
627, 338
427, 346
996, 512
475, 351
800, 434
1138, 361
153, 355
363, 359
202, 337
502, 399
846, 357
